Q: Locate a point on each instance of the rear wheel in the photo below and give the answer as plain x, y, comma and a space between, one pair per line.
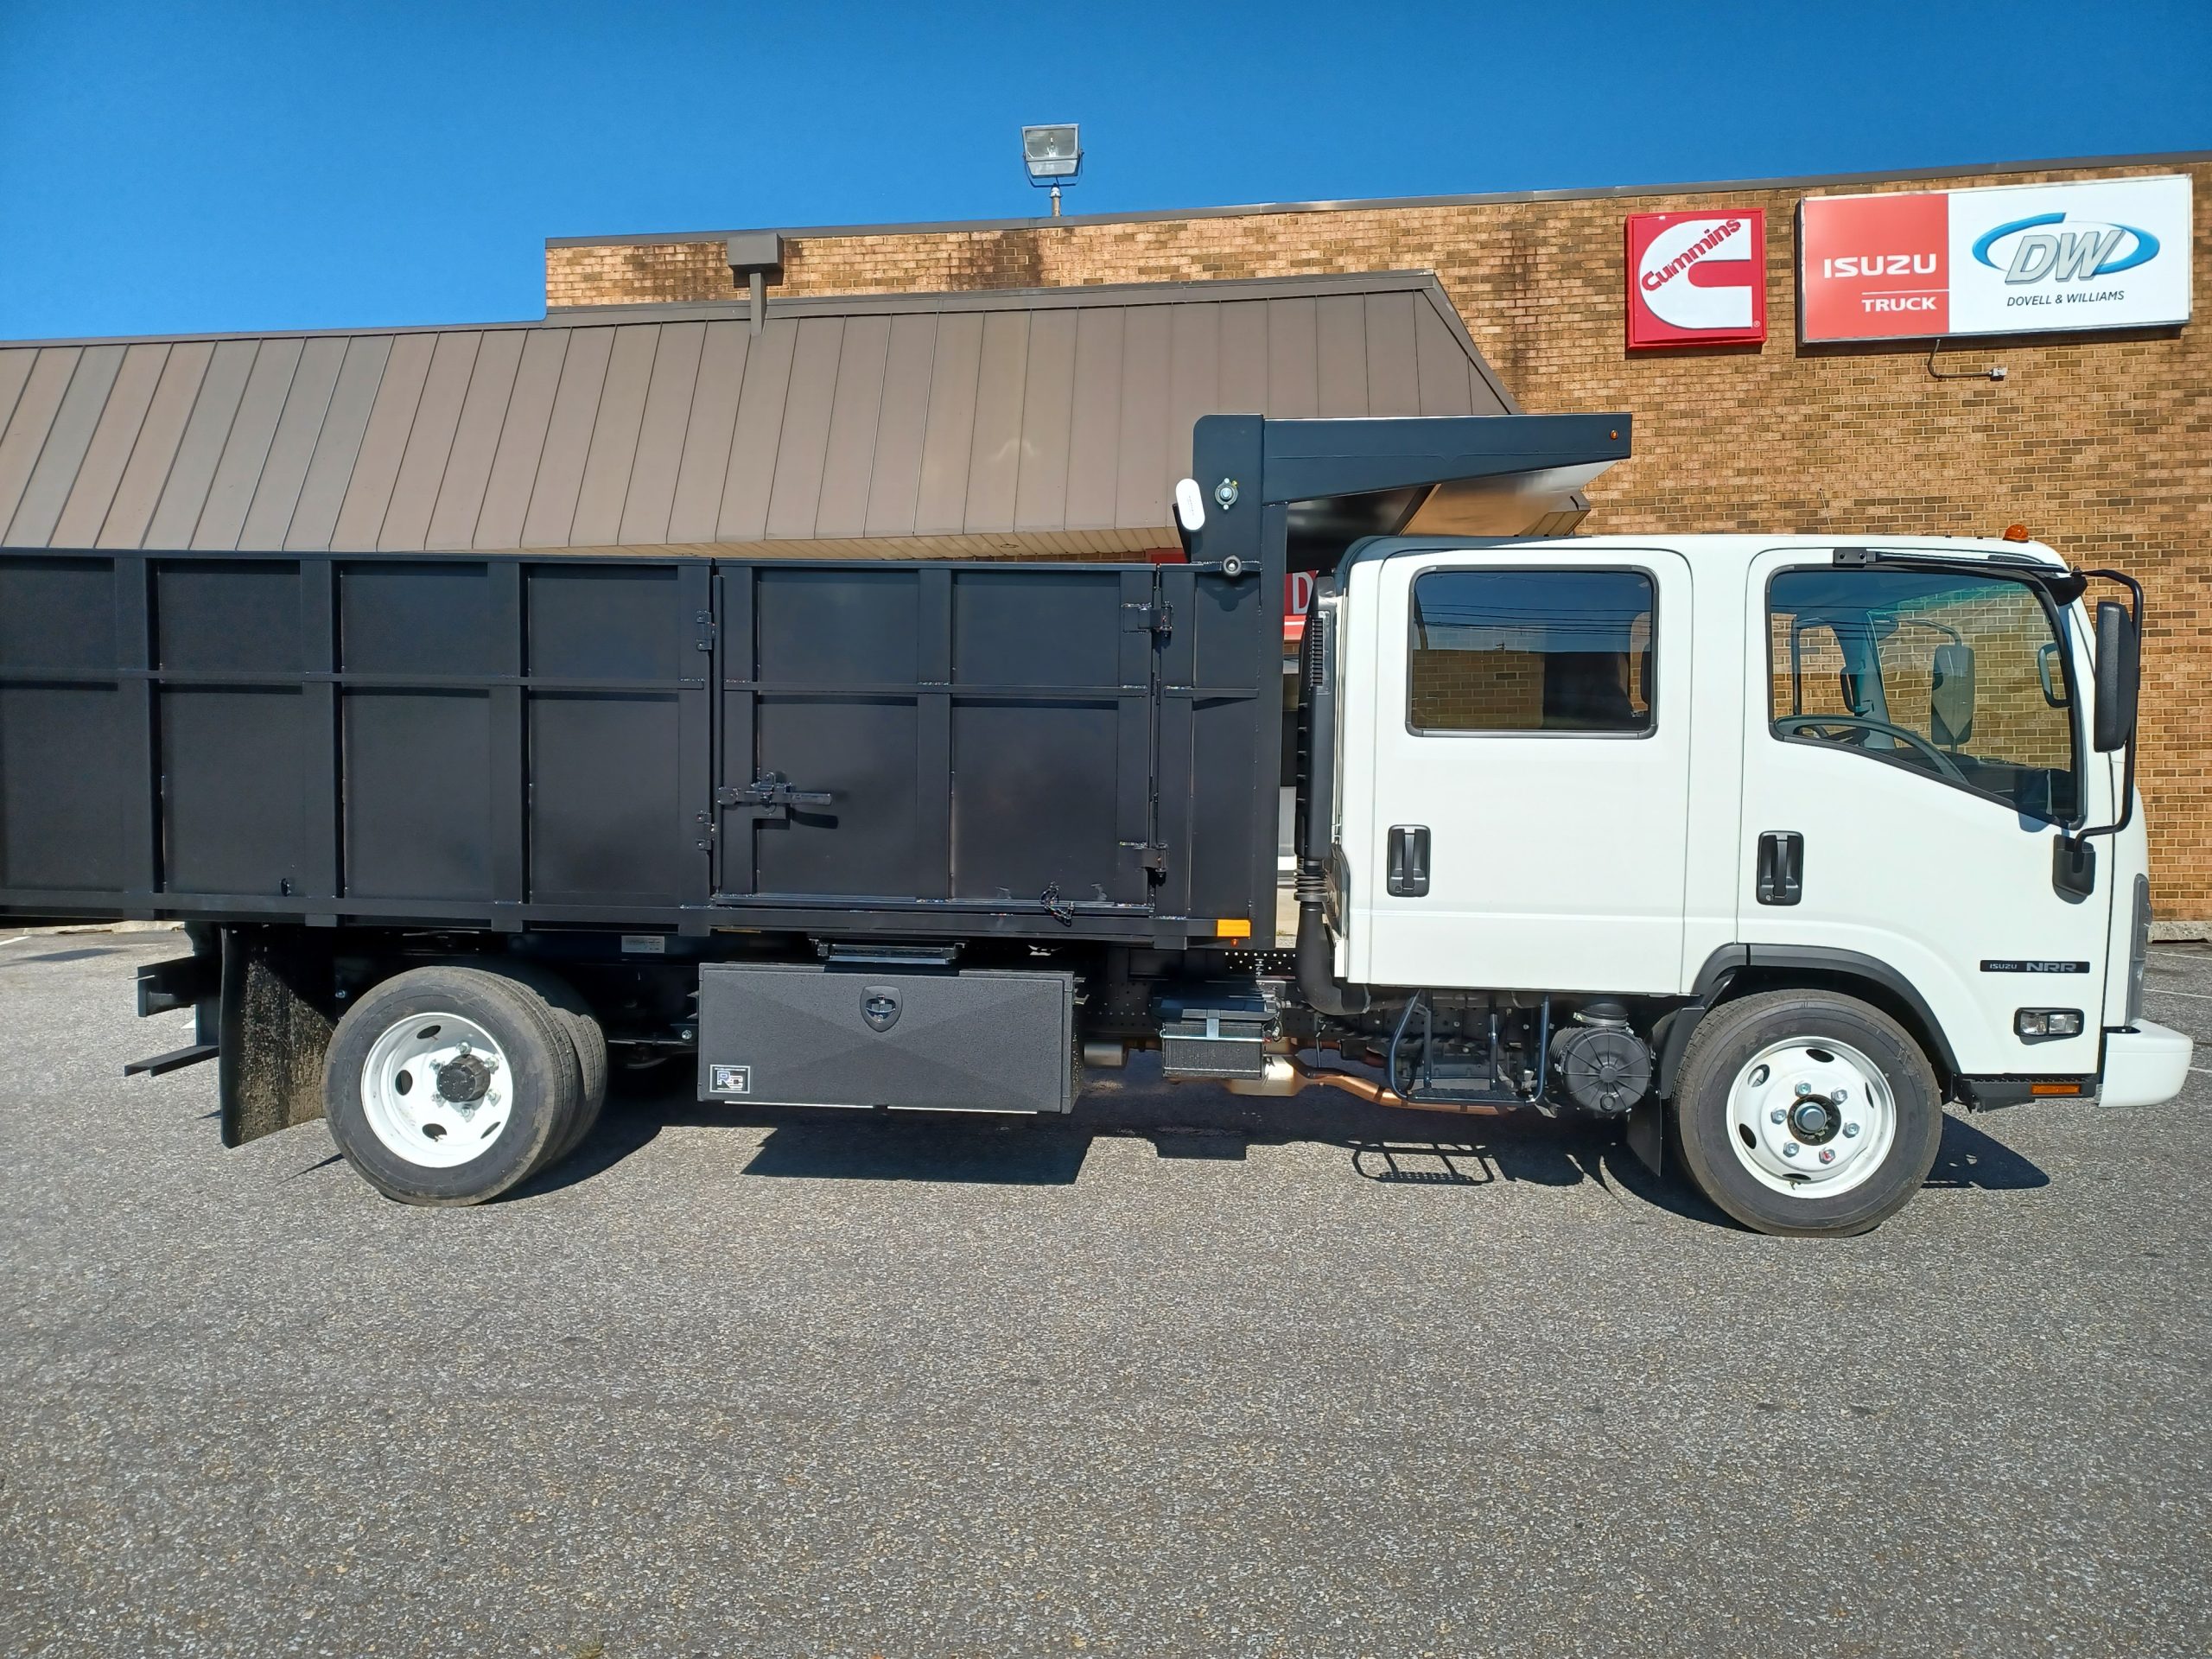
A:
588, 1041
1806, 1113
447, 1085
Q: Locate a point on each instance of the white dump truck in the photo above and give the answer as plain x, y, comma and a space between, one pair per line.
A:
1767, 846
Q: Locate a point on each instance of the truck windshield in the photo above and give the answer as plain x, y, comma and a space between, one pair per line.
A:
1959, 674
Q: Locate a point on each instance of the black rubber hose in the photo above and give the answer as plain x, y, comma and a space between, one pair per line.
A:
1317, 968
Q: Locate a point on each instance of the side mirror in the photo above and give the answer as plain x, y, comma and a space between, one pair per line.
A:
1950, 695
2119, 673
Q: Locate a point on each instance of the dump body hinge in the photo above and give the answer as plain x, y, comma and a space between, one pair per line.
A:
195, 983
178, 982
1151, 855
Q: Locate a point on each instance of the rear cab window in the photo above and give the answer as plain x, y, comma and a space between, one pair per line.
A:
1531, 651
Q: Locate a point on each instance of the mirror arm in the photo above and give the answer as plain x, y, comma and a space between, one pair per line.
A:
2127, 780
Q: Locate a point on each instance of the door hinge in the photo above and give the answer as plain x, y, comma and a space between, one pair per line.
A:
707, 629
1158, 620
1151, 855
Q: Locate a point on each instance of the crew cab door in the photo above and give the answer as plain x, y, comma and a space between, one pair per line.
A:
1527, 734
1911, 746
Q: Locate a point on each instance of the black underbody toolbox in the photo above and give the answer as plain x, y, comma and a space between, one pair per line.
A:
864, 1034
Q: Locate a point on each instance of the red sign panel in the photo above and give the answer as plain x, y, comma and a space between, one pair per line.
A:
1874, 267
1696, 279
1297, 599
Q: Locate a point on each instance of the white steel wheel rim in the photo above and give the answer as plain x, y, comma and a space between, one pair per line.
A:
1811, 1118
437, 1090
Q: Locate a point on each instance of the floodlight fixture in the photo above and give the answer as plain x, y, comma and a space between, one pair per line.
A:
1053, 156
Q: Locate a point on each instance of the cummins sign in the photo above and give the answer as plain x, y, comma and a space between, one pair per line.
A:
1696, 279
2030, 259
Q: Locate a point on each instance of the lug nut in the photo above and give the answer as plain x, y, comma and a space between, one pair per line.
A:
1828, 1154
1850, 1131
1804, 1088
1776, 1116
1791, 1150
1839, 1095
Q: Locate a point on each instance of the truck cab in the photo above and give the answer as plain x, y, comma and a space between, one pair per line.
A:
1657, 776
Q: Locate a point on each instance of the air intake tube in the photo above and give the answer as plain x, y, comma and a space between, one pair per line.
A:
1317, 776
1317, 978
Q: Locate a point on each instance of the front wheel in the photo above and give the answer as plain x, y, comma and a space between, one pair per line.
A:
1806, 1113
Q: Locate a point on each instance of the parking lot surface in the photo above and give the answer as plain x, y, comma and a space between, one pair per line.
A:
1189, 1375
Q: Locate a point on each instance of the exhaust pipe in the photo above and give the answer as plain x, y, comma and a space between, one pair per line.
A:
1284, 1077
1317, 731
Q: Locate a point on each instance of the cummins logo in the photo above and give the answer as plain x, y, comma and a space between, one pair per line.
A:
1696, 278
2029, 250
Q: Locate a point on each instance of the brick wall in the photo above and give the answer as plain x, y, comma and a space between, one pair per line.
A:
2103, 446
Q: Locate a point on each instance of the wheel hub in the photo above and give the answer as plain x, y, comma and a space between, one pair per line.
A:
1815, 1119
1811, 1117
464, 1080
436, 1090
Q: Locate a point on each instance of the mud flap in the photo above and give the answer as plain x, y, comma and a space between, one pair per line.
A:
1646, 1133
277, 1016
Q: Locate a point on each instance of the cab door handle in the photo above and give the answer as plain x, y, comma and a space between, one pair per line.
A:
1781, 868
1408, 868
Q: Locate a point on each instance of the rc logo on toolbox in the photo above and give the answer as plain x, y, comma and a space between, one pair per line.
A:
1696, 279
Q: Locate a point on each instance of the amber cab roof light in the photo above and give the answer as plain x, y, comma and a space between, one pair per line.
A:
2016, 533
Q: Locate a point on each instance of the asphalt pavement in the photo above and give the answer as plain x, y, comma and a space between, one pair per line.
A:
1188, 1376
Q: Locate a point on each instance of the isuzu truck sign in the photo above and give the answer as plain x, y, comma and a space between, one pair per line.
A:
2016, 259
1696, 279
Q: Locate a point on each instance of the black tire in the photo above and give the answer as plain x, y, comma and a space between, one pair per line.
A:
544, 1085
574, 1015
1731, 1038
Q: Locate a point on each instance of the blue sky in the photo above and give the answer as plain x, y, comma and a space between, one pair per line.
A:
213, 166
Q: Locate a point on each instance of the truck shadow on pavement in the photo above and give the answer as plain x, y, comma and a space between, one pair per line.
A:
1191, 1122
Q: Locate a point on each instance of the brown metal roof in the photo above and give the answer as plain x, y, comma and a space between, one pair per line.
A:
1053, 419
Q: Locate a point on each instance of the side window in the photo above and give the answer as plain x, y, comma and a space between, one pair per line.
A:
1955, 674
1531, 651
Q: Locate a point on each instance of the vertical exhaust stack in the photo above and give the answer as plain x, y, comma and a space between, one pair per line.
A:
1317, 715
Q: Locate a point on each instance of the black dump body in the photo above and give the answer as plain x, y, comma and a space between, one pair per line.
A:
684, 745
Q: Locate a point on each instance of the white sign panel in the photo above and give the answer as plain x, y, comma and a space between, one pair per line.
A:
2031, 258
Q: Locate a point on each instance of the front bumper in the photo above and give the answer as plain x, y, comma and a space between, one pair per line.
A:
2144, 1065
